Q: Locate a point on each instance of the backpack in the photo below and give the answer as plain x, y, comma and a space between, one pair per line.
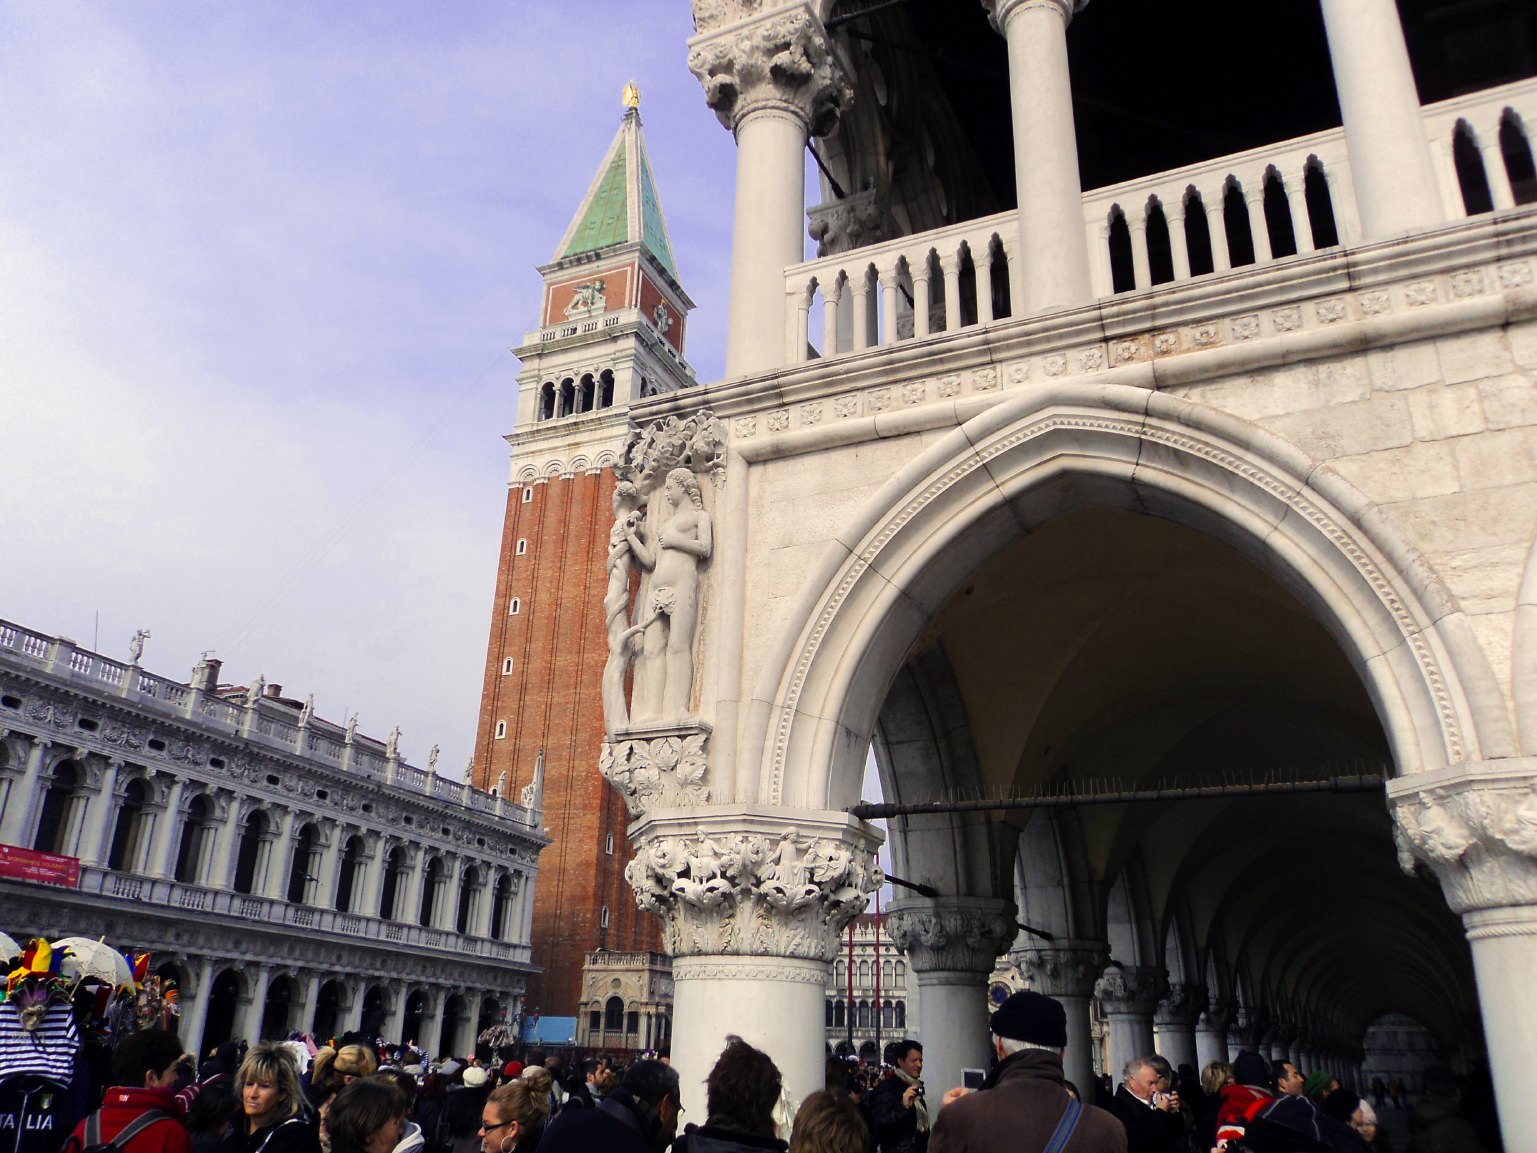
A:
91, 1141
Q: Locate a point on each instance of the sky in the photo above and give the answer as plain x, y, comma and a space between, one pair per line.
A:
261, 265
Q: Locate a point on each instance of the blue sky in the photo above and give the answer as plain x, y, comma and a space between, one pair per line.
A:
260, 268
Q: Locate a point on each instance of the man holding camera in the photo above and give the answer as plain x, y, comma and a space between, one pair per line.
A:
899, 1114
1147, 1108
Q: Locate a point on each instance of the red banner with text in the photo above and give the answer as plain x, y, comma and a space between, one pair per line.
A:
18, 864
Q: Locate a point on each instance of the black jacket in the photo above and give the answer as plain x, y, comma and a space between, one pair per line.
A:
718, 1139
895, 1126
1148, 1130
613, 1125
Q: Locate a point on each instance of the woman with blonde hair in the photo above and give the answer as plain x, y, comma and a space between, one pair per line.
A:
276, 1116
514, 1116
333, 1068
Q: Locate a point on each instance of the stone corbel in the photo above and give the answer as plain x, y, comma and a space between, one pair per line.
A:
952, 935
1474, 826
750, 59
744, 881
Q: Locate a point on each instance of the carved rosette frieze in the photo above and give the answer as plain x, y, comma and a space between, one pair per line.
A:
1475, 828
748, 882
750, 60
955, 936
1063, 971
1181, 1006
663, 769
1131, 990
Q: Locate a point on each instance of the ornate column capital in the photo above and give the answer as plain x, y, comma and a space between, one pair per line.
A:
853, 222
743, 880
1131, 990
1217, 1016
1181, 1006
999, 11
750, 60
1474, 825
1064, 968
952, 934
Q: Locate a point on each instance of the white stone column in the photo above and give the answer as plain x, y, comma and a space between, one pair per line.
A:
832, 294
1216, 229
1174, 1023
1297, 201
100, 808
370, 883
774, 81
168, 833
485, 911
1211, 1034
1053, 246
952, 944
249, 1023
18, 823
890, 287
1384, 130
396, 1021
859, 290
227, 845
328, 875
445, 907
951, 267
1141, 266
473, 1001
416, 877
1495, 172
1179, 244
1067, 970
1128, 995
274, 858
922, 305
1259, 228
1472, 826
309, 998
752, 901
194, 1008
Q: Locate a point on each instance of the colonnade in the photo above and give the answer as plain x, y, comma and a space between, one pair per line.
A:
773, 111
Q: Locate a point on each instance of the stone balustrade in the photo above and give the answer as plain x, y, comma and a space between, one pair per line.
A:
968, 275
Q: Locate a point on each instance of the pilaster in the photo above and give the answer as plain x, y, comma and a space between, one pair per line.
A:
752, 901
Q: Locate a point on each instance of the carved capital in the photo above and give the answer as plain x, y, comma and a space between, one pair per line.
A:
668, 769
853, 222
745, 881
1133, 990
999, 12
1181, 1006
1064, 969
781, 59
1217, 1017
1475, 827
957, 935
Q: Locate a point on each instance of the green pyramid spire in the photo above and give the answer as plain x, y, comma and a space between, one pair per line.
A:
621, 204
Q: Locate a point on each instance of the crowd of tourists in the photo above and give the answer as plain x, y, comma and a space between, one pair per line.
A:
361, 1097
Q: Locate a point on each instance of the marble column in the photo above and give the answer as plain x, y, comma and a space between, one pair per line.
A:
249, 1022
410, 912
1211, 1030
774, 80
309, 998
370, 883
1128, 996
1068, 970
396, 1022
96, 840
194, 1008
1053, 244
227, 843
1390, 161
18, 823
1174, 1022
752, 901
952, 944
167, 836
472, 1004
1474, 826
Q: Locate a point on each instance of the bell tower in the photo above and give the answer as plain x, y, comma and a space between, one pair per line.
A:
610, 331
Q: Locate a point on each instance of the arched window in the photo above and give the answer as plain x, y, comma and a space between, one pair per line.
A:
1197, 235
999, 261
613, 1015
842, 973
469, 888
901, 971
128, 830
864, 972
864, 1015
58, 807
1471, 177
301, 865
901, 1007
1516, 152
1315, 191
967, 278
1160, 251
1123, 276
430, 883
886, 973
351, 855
838, 1015
589, 393
888, 1015
827, 1022
567, 397
250, 850
195, 835
393, 865
547, 401
1278, 216
1235, 221
606, 389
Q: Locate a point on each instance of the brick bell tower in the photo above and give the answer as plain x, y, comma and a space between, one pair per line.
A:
610, 332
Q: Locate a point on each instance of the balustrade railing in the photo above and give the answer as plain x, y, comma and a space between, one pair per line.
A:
1252, 208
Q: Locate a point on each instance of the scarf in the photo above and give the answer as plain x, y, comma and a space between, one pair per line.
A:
920, 1110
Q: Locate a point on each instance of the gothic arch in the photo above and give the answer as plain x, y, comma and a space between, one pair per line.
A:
1028, 460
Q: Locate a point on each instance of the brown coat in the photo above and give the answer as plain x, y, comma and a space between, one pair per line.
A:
1018, 1113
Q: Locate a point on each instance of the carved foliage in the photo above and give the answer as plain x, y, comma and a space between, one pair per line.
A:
784, 60
1182, 1005
1063, 972
1134, 990
697, 444
752, 894
1479, 840
959, 940
666, 771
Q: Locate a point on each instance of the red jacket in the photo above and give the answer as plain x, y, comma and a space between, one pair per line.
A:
122, 1104
1239, 1104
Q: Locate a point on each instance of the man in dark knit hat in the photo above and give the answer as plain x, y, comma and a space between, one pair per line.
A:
1022, 1106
